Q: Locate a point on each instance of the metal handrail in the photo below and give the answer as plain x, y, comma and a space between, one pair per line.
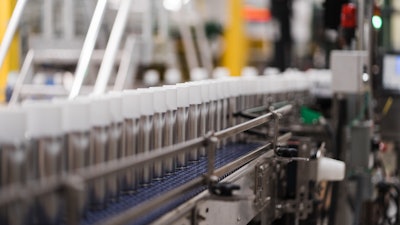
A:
11, 29
22, 76
128, 64
48, 185
252, 123
88, 46
112, 47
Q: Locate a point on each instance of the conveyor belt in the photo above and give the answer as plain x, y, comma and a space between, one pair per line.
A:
194, 169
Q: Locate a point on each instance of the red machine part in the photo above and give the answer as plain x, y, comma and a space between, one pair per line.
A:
348, 17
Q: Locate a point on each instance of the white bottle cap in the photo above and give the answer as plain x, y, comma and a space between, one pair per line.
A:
146, 101
43, 119
130, 104
115, 101
234, 88
171, 97
182, 93
99, 111
265, 85
198, 73
213, 90
75, 115
249, 85
271, 71
221, 90
172, 76
231, 87
204, 89
13, 125
249, 71
151, 78
274, 83
194, 93
260, 85
160, 99
221, 72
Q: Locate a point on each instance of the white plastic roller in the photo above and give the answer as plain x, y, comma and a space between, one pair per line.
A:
328, 169
13, 124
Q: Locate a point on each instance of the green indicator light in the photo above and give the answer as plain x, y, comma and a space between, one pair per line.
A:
377, 22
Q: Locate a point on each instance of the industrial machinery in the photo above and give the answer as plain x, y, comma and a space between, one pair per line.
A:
256, 149
192, 153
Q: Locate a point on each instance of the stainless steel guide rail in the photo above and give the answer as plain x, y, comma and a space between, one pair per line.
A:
69, 186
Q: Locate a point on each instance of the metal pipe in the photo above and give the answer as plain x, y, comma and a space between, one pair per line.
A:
204, 46
129, 62
87, 49
360, 25
11, 29
22, 76
112, 47
48, 19
69, 19
252, 123
244, 160
97, 171
185, 32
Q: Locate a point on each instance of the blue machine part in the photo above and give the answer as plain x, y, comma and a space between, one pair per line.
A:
194, 169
